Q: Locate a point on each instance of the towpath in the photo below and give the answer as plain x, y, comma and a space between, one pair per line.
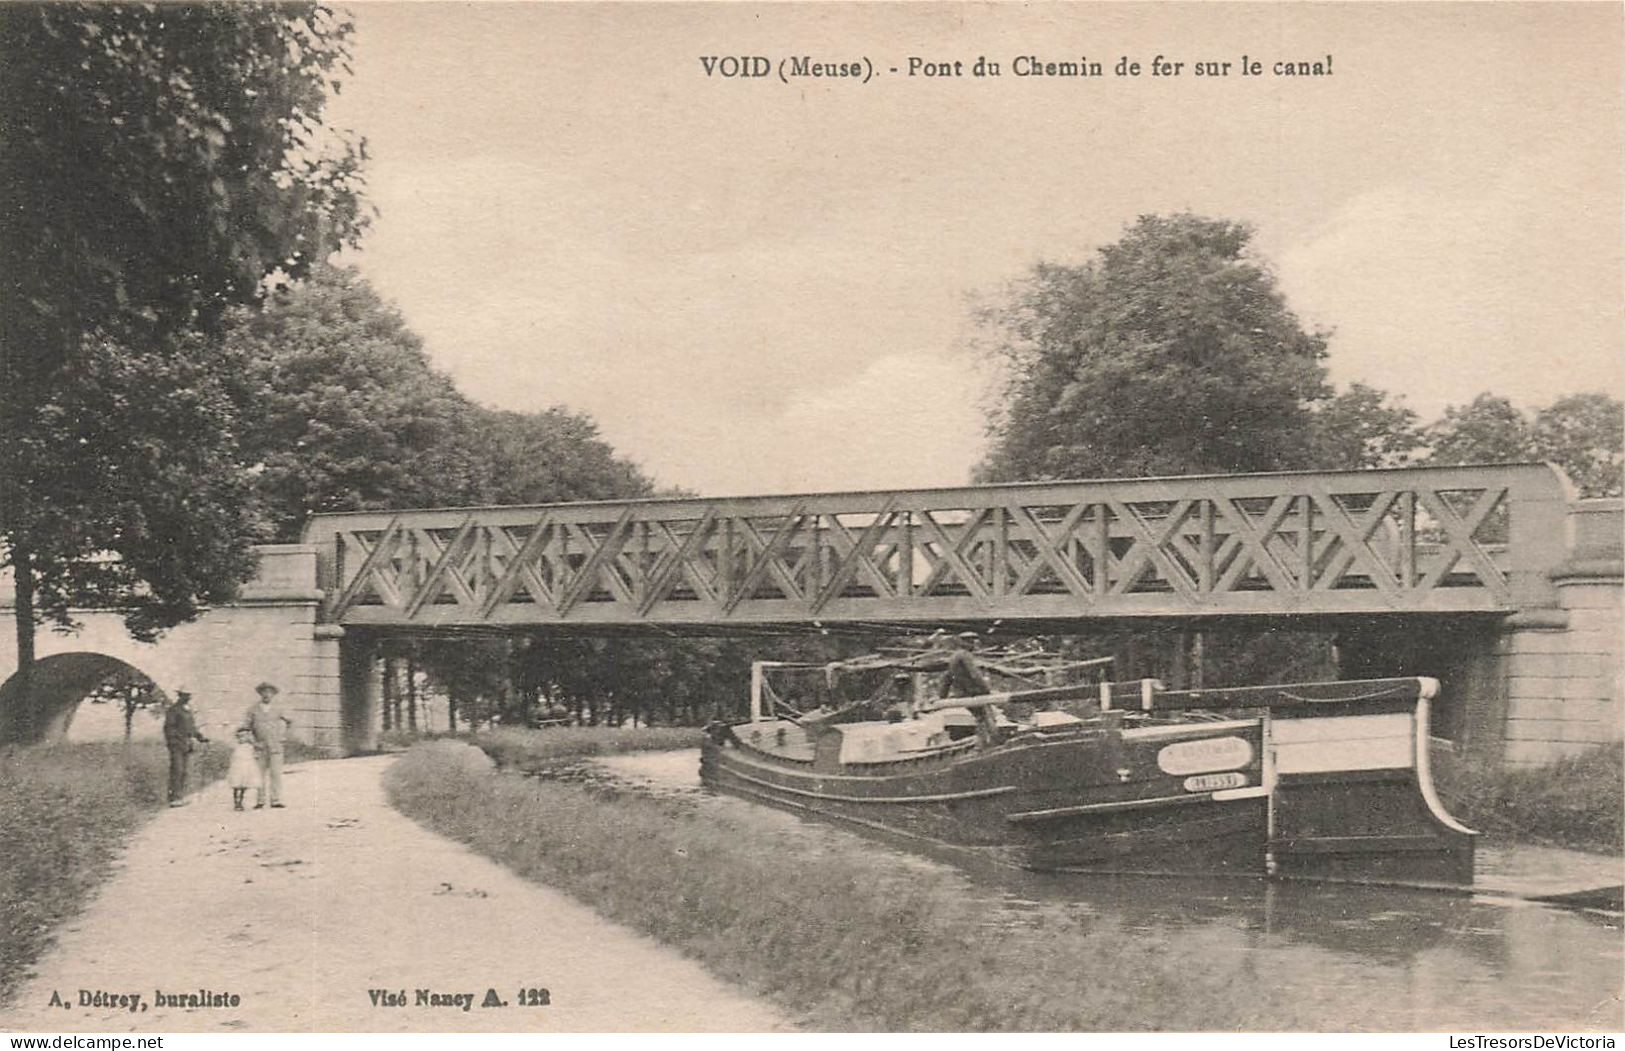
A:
310, 914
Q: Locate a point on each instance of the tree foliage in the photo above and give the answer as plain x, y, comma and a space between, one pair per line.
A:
161, 162
1171, 352
1489, 429
132, 692
1582, 433
1585, 433
133, 453
345, 412
1364, 427
342, 409
673, 682
551, 456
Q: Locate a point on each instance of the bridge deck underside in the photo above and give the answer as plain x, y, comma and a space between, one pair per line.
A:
1440, 541
992, 628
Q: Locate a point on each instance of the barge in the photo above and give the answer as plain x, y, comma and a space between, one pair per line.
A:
1326, 780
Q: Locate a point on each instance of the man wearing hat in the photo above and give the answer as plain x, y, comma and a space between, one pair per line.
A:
269, 724
180, 730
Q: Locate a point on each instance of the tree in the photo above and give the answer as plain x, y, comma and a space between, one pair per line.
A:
343, 411
551, 456
1582, 433
161, 162
1172, 352
1585, 433
1361, 428
1489, 429
136, 498
131, 691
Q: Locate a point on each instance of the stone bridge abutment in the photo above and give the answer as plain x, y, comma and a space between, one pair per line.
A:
275, 633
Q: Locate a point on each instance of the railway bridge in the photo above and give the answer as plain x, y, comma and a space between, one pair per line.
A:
1496, 578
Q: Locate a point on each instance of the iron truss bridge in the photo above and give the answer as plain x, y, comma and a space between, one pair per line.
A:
1428, 540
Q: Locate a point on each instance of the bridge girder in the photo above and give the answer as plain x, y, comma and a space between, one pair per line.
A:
1450, 540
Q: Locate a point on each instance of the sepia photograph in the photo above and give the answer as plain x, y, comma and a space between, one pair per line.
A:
812, 517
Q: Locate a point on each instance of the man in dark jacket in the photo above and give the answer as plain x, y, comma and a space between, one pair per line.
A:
964, 679
180, 730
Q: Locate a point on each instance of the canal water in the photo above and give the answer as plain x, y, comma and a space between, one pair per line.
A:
1350, 958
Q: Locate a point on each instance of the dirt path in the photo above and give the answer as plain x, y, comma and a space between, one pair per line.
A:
301, 913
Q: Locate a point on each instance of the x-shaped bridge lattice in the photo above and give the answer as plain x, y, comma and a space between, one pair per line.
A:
1176, 545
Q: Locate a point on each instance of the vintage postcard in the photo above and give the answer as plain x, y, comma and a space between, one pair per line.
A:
808, 517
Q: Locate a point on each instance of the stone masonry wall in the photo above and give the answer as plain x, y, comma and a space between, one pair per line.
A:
1561, 668
271, 635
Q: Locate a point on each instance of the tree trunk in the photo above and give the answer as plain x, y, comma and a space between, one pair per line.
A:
411, 694
129, 716
22, 566
389, 693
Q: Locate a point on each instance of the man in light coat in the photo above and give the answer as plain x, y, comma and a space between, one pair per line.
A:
269, 723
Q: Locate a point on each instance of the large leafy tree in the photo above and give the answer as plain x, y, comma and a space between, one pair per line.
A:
343, 411
161, 162
1171, 352
133, 496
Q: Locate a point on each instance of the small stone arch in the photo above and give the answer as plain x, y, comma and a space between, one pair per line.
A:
60, 682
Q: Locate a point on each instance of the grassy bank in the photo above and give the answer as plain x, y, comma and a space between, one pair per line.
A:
533, 750
849, 938
65, 810
1572, 803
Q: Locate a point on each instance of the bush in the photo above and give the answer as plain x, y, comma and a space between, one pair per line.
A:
1574, 802
401, 740
537, 750
848, 936
65, 810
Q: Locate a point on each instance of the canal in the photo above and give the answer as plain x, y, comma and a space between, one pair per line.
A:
1352, 958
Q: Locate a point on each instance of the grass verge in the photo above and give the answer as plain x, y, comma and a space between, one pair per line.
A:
65, 810
535, 750
849, 939
1574, 802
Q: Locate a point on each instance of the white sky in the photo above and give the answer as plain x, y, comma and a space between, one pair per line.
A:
761, 287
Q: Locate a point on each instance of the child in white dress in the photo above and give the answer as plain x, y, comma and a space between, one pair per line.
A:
244, 772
